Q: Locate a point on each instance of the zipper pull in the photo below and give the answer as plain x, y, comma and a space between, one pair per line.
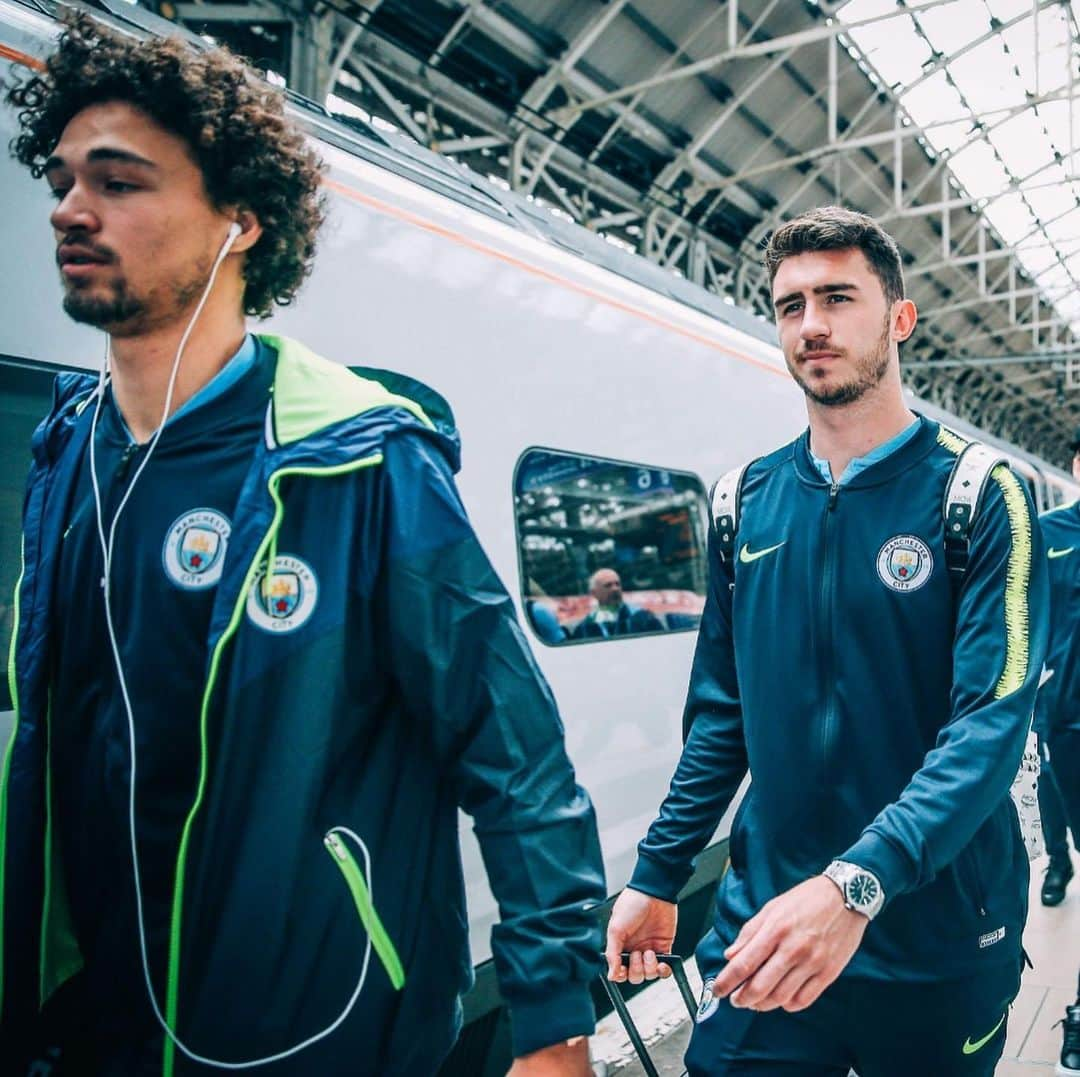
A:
126, 457
333, 843
834, 490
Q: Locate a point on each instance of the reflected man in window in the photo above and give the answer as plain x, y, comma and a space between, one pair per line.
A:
612, 616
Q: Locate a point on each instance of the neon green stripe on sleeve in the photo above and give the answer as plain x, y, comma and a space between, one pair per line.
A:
1017, 578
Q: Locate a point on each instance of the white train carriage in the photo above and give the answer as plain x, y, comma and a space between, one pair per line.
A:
596, 395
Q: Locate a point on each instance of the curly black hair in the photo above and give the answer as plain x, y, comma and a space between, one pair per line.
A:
250, 154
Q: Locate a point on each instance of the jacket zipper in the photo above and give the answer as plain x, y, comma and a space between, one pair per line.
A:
825, 650
267, 543
13, 689
124, 464
380, 940
976, 881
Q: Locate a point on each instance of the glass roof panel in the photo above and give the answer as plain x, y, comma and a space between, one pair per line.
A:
1053, 37
1008, 9
1035, 259
986, 79
1055, 117
933, 99
896, 50
1047, 203
979, 170
952, 26
1023, 144
1011, 217
986, 84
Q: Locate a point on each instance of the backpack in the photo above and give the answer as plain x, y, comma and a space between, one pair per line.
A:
963, 499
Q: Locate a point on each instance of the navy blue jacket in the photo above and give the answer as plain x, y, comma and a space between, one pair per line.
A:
881, 717
408, 691
1057, 708
628, 621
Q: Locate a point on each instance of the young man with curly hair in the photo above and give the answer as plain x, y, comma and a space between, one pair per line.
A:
260, 658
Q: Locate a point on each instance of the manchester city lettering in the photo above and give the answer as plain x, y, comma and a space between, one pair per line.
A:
194, 550
285, 600
905, 563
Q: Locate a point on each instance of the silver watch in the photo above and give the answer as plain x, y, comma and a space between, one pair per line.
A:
861, 889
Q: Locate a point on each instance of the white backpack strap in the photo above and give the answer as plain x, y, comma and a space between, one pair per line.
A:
963, 499
725, 510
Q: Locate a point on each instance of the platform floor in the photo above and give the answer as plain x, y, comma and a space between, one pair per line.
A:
1052, 940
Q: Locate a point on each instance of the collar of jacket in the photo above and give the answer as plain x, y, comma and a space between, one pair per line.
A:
907, 456
319, 409
330, 414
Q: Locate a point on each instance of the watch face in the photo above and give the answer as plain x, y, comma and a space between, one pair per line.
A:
862, 889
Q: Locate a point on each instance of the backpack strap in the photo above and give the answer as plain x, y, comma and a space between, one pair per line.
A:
963, 499
726, 494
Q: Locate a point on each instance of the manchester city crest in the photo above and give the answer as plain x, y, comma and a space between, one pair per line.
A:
904, 563
284, 600
194, 550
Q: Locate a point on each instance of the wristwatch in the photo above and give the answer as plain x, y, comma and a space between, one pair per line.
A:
861, 889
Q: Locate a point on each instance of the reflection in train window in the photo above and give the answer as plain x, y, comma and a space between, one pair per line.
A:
608, 549
25, 395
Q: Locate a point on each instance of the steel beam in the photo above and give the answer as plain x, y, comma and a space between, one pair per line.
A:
783, 43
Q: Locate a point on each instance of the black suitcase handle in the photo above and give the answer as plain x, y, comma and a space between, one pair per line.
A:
615, 994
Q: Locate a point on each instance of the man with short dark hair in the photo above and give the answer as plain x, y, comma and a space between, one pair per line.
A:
260, 658
1057, 716
613, 616
877, 684
1059, 869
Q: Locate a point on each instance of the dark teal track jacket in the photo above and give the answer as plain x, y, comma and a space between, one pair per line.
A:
881, 716
1058, 707
404, 690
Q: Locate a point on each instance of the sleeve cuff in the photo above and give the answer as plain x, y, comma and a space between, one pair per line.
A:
889, 863
656, 879
555, 1018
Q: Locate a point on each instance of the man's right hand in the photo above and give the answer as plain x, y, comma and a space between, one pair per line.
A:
646, 927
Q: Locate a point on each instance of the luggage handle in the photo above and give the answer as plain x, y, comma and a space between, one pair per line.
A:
675, 962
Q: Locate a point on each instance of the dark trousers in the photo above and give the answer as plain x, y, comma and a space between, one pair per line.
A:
877, 1028
1064, 749
1052, 809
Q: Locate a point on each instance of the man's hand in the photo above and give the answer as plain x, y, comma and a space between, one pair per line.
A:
558, 1060
792, 950
645, 926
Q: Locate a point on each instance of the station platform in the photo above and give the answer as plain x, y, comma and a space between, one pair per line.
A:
1052, 940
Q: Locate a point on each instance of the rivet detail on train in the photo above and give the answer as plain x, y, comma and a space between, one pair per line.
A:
905, 563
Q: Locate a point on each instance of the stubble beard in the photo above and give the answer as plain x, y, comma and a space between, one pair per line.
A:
103, 312
123, 313
870, 370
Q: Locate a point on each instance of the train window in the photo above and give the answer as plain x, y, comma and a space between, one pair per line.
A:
25, 395
608, 549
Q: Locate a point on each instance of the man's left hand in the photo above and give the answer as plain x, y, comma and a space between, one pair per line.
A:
788, 953
558, 1060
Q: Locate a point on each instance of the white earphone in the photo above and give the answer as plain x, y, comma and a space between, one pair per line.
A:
235, 230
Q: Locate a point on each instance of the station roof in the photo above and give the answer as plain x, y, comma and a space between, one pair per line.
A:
688, 131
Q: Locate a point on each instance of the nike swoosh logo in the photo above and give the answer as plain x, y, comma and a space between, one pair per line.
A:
1052, 553
970, 1048
745, 556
